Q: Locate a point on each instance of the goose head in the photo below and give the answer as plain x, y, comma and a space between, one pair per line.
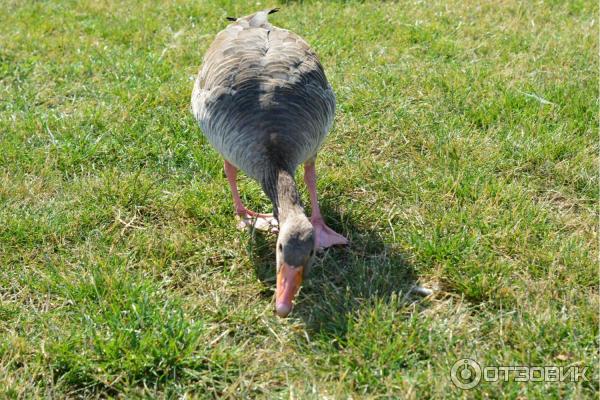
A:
295, 252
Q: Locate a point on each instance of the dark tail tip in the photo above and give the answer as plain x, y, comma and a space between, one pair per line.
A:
273, 10
231, 18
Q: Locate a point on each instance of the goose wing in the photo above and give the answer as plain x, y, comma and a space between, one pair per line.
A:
262, 94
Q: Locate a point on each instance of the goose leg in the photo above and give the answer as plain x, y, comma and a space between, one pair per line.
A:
248, 218
325, 236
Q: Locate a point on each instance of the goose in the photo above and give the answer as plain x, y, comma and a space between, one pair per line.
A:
263, 102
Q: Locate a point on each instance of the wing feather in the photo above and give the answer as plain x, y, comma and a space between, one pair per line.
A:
262, 90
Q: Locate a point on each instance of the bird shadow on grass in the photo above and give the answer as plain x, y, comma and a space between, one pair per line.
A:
343, 280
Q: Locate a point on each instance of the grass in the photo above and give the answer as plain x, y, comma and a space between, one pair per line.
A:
464, 158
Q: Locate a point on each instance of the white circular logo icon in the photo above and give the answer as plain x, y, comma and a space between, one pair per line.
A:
465, 374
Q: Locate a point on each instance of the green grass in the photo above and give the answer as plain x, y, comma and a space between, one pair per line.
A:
464, 158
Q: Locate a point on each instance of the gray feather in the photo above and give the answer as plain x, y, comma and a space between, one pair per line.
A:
262, 98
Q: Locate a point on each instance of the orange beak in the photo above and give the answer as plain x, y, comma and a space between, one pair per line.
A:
289, 280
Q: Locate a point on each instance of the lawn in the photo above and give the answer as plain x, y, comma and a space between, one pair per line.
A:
463, 159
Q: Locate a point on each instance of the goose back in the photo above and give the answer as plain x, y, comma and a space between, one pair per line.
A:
262, 98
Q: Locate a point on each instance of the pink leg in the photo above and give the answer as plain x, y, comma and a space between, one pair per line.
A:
326, 237
265, 222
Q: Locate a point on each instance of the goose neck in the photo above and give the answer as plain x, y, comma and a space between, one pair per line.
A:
281, 188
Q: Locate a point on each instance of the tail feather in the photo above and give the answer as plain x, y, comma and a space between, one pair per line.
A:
259, 18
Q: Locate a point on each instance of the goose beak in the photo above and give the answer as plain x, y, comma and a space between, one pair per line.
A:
289, 279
